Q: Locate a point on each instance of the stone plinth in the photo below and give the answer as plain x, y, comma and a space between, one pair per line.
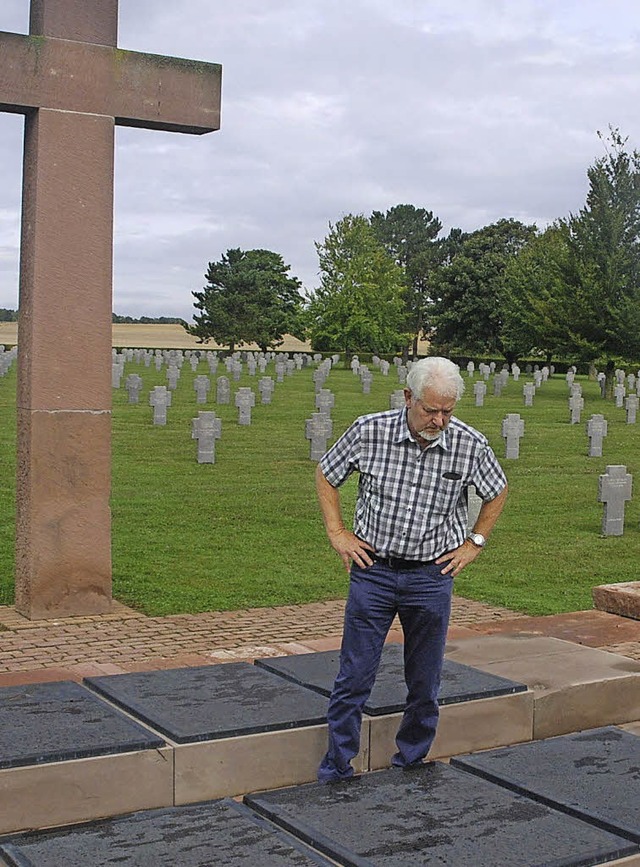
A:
622, 599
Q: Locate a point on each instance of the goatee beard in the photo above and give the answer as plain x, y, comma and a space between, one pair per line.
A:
430, 436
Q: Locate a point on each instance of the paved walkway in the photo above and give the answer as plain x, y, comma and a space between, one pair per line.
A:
126, 640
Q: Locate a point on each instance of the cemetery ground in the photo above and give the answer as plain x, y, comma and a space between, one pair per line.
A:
246, 532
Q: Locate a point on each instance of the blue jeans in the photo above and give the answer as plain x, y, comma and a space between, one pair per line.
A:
422, 599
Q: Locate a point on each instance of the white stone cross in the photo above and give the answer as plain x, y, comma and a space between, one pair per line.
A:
512, 430
266, 387
245, 398
325, 401
576, 405
480, 389
160, 399
396, 399
631, 406
201, 384
133, 384
318, 429
223, 390
614, 489
206, 429
596, 431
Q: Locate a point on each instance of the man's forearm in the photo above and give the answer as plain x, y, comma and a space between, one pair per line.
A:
347, 545
329, 500
489, 514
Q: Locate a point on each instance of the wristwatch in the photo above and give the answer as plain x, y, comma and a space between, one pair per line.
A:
478, 539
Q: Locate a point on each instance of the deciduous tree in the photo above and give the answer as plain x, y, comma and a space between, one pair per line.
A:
408, 234
467, 311
359, 305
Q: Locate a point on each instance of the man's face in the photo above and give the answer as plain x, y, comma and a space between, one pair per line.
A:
428, 415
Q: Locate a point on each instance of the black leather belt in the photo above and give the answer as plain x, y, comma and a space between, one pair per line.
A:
399, 562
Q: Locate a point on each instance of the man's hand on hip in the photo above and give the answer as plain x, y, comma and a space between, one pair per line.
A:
349, 547
457, 559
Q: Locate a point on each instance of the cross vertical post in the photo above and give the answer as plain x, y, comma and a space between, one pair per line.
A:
73, 85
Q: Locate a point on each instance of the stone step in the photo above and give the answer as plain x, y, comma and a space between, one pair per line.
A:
125, 743
622, 599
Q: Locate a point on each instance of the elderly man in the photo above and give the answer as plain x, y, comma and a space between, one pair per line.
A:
409, 542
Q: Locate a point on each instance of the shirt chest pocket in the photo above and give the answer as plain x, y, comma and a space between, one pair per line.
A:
447, 492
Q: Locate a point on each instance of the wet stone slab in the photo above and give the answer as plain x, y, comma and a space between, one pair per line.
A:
435, 814
317, 671
213, 701
592, 774
215, 833
61, 721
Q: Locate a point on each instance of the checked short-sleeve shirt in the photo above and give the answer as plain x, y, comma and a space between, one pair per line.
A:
412, 502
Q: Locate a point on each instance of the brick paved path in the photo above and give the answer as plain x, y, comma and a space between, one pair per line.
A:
126, 637
126, 640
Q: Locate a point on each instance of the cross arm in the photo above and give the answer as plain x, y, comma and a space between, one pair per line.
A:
143, 90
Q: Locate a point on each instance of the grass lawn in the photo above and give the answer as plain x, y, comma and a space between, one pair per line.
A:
246, 531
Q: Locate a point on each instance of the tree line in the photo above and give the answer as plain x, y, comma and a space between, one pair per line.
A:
570, 290
8, 315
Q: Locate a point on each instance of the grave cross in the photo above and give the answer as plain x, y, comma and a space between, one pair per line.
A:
160, 399
318, 429
479, 389
244, 400
614, 489
202, 385
596, 431
512, 430
206, 429
72, 84
576, 405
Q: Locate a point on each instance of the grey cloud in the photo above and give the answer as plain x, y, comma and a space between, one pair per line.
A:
479, 110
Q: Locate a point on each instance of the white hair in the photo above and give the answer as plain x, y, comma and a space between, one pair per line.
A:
439, 374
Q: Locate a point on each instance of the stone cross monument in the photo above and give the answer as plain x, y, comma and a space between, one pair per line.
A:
73, 85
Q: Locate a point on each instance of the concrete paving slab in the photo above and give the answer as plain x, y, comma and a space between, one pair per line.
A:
593, 628
435, 814
593, 775
212, 701
574, 687
49, 722
222, 832
317, 671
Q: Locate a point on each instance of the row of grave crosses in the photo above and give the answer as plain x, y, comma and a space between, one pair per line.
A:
513, 430
245, 399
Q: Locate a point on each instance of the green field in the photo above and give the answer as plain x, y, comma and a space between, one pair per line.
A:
246, 531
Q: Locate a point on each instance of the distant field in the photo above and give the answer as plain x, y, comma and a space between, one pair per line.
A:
246, 531
165, 337
154, 337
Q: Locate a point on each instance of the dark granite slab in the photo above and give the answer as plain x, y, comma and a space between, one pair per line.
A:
317, 671
435, 814
199, 835
213, 701
60, 721
592, 774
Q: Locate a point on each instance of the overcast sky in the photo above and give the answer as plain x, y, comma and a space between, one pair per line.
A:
474, 109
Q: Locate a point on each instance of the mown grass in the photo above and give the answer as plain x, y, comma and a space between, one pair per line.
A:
246, 531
